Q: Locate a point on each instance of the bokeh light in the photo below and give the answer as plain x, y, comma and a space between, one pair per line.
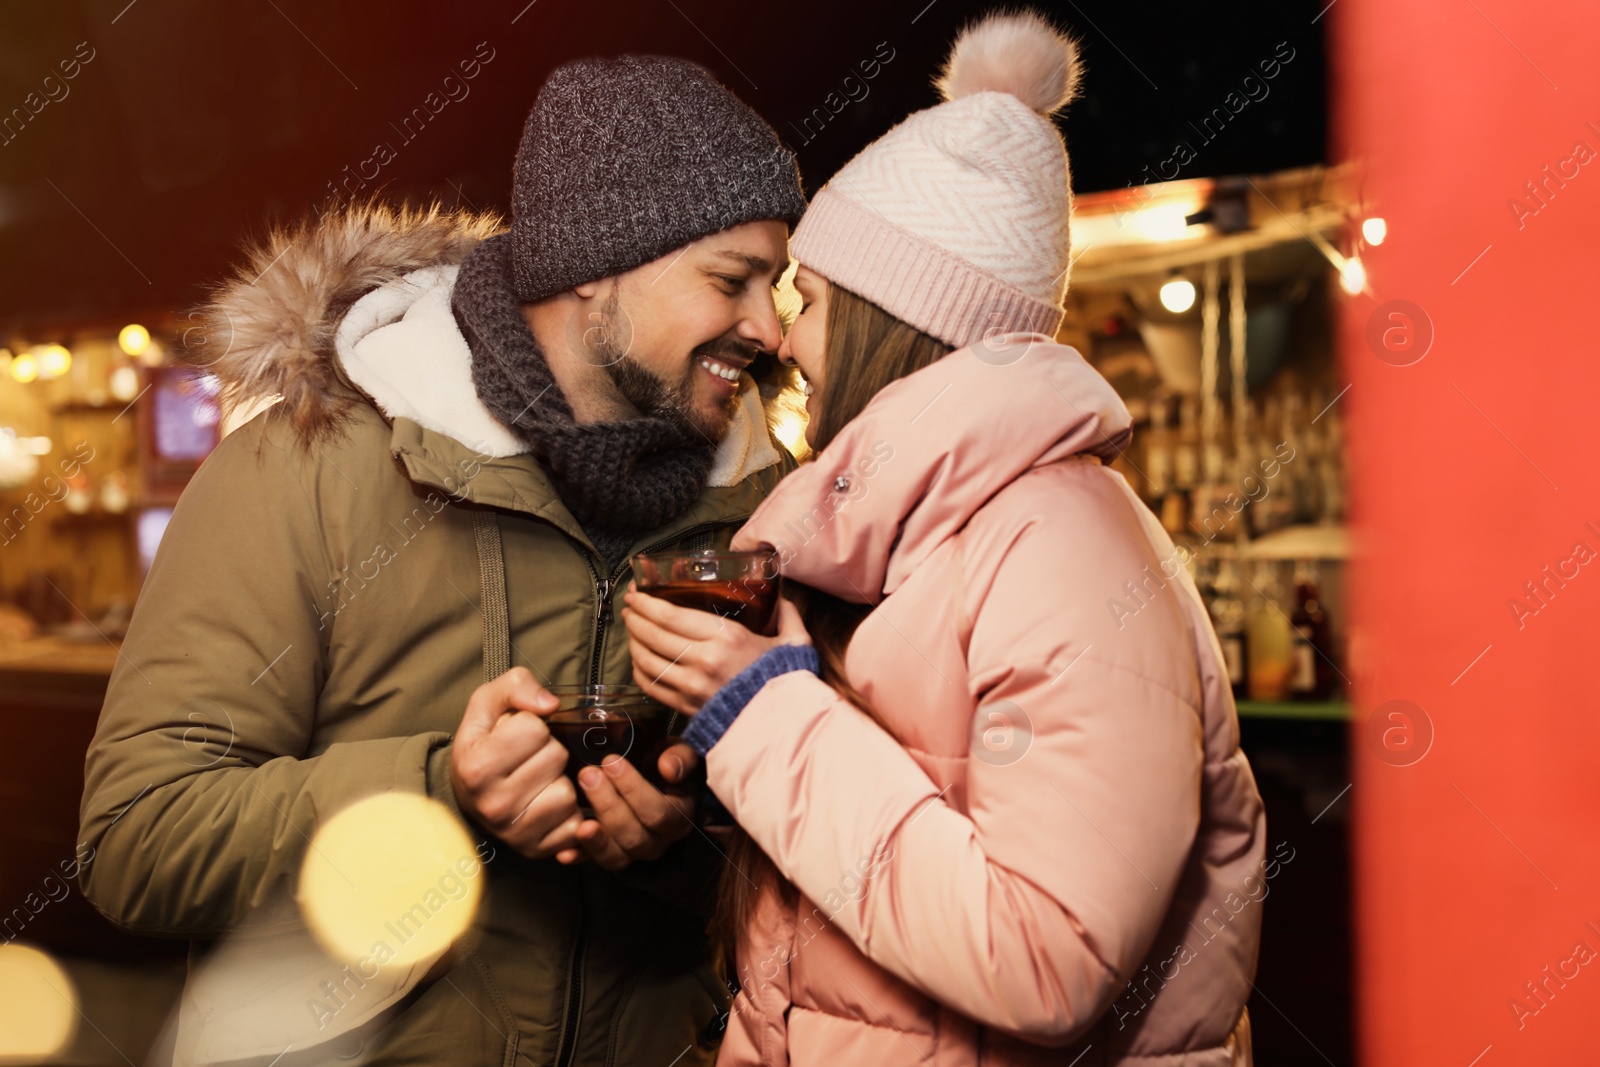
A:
134, 339
124, 383
790, 430
38, 1006
1353, 275
54, 361
390, 881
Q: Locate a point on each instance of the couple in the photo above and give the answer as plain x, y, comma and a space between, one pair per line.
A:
978, 823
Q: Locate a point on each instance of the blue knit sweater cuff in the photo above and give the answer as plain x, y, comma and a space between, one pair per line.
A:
713, 720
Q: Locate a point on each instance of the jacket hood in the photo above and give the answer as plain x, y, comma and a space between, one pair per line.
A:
269, 330
362, 298
401, 345
928, 452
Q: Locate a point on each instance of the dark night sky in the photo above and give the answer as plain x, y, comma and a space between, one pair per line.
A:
195, 124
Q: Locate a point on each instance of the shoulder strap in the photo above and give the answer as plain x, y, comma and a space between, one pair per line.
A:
492, 581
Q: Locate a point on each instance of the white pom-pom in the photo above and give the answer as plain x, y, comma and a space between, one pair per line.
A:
1014, 52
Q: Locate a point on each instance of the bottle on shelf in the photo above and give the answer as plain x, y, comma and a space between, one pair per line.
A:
1330, 469
1210, 517
1176, 505
1267, 631
1296, 480
1175, 512
1273, 508
1165, 458
1203, 569
1186, 450
1227, 616
1157, 457
1315, 677
1293, 415
1247, 485
1244, 477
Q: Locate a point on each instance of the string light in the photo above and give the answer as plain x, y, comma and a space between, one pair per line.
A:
1353, 276
1177, 295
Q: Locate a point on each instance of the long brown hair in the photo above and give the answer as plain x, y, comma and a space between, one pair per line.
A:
866, 348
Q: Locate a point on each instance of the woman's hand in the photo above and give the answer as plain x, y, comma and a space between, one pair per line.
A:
682, 656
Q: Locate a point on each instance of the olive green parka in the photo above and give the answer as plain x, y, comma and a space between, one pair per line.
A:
340, 574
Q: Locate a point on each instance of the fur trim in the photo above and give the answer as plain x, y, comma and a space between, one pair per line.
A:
269, 330
1015, 52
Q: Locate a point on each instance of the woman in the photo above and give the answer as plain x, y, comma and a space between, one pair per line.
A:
994, 762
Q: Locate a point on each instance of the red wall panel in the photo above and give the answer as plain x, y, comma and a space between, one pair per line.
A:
1473, 470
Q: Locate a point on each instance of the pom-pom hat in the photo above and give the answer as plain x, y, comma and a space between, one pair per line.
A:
956, 220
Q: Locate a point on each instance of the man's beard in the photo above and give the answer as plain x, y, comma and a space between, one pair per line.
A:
649, 392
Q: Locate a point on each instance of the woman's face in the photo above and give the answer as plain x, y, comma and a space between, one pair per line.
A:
805, 345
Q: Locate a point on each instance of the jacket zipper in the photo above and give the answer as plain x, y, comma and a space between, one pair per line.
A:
603, 586
568, 1046
602, 608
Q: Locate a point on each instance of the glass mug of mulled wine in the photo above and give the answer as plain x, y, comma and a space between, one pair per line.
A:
596, 721
742, 586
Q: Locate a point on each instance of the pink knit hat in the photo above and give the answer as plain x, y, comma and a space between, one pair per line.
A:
956, 220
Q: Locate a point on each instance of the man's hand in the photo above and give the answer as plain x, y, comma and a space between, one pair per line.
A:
509, 773
633, 820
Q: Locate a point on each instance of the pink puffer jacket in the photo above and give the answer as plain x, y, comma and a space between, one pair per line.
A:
1048, 848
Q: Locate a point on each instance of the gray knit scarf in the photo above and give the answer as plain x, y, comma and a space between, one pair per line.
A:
619, 479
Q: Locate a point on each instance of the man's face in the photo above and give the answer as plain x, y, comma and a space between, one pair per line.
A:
672, 332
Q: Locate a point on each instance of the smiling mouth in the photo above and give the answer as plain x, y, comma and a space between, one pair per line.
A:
728, 372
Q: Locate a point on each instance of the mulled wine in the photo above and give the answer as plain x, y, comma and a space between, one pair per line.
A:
742, 586
593, 722
750, 601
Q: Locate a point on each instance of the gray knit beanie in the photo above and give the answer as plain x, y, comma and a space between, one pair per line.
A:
623, 160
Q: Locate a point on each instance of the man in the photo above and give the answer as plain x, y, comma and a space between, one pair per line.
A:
466, 439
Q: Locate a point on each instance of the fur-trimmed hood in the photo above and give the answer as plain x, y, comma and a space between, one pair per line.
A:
363, 297
270, 328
